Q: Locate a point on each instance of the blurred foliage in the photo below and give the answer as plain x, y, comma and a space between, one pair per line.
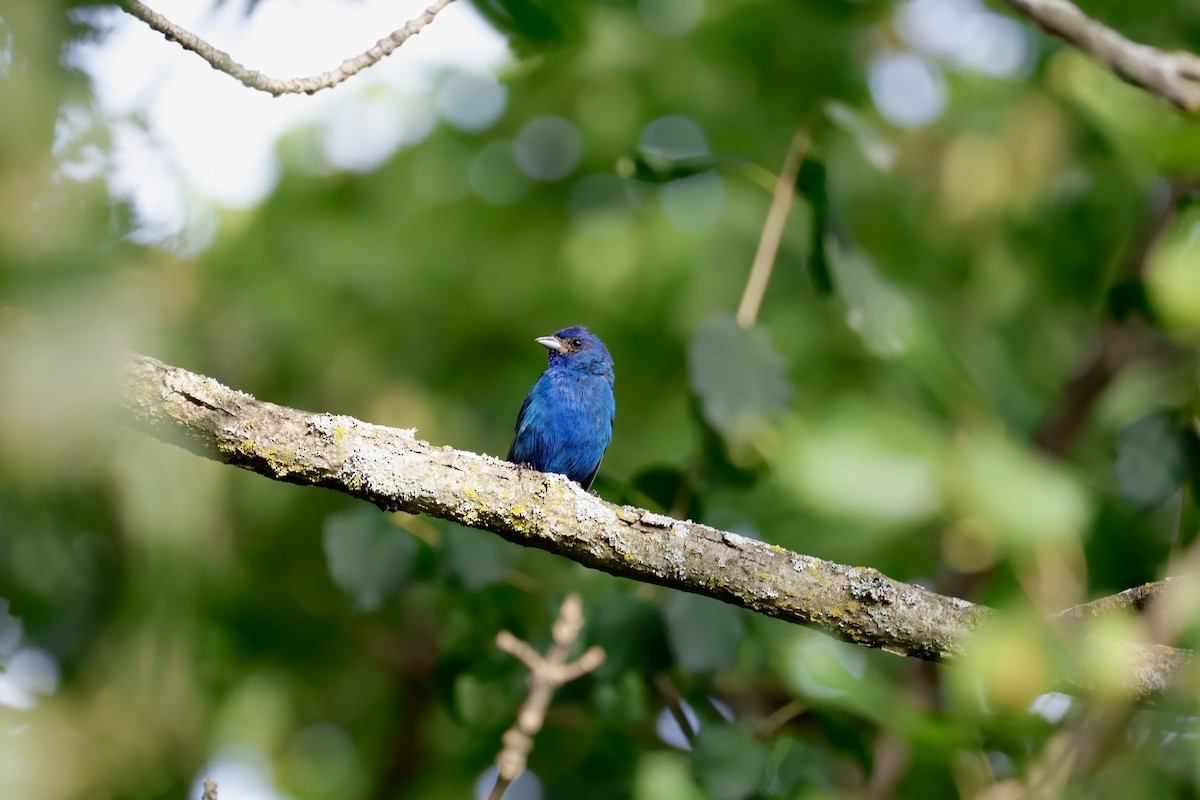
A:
938, 292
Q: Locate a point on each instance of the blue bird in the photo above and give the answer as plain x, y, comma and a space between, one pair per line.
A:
565, 423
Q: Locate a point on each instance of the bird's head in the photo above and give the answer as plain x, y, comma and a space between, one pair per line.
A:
577, 348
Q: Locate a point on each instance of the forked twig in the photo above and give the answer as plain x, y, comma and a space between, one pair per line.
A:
546, 674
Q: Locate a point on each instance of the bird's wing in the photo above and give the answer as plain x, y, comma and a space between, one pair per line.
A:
517, 427
586, 483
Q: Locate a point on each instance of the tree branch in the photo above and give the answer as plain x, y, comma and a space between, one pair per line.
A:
546, 674
394, 470
222, 61
1171, 76
1135, 600
772, 235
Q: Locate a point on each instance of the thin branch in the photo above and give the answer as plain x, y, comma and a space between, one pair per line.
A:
1168, 75
394, 470
1164, 608
1119, 342
674, 702
772, 235
1171, 76
518, 649
222, 61
546, 674
1135, 600
1167, 608
766, 730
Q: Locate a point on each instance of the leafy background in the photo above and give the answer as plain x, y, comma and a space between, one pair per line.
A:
914, 397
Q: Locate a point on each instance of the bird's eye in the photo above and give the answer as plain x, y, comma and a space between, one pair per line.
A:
576, 343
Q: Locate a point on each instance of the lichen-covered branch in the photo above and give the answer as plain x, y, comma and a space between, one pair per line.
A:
1134, 600
1171, 76
224, 62
395, 470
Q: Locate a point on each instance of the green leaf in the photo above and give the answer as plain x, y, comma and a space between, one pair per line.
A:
812, 184
662, 485
1173, 276
533, 26
652, 167
1152, 458
988, 471
818, 666
877, 150
740, 380
864, 460
717, 468
1128, 298
704, 633
875, 310
478, 559
727, 762
631, 632
473, 699
621, 703
369, 558
794, 765
664, 776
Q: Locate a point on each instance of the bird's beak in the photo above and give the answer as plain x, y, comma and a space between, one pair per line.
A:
550, 343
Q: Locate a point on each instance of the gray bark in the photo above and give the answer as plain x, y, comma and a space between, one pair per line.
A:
395, 470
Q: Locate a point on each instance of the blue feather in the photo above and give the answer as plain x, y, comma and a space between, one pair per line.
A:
565, 423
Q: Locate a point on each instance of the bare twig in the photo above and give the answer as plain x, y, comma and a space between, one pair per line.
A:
546, 674
222, 61
772, 235
394, 470
1171, 76
674, 702
210, 789
781, 716
1119, 342
1134, 600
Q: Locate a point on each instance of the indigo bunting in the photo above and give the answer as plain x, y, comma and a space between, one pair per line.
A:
565, 423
